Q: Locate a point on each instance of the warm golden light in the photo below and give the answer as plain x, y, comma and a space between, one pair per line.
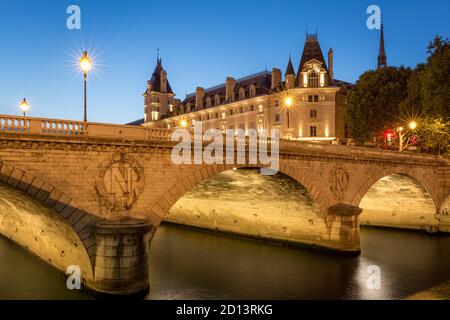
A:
85, 63
288, 102
400, 129
183, 123
24, 106
413, 125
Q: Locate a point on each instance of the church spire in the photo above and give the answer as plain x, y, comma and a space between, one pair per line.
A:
382, 59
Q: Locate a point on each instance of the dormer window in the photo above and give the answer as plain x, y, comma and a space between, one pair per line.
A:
252, 90
241, 93
313, 80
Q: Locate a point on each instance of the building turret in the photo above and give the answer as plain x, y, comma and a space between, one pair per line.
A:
159, 97
290, 75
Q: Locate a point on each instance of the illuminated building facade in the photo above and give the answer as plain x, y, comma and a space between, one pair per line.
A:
305, 105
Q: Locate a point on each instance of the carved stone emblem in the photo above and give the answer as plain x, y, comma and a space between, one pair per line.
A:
119, 183
339, 182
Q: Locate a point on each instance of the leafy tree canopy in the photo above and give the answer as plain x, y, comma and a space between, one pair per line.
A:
373, 104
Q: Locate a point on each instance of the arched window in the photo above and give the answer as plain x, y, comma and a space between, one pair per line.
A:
313, 80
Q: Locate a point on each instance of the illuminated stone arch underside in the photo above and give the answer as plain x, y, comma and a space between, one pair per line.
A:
244, 202
42, 231
398, 201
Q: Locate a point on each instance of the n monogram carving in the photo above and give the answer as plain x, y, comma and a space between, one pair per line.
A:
119, 183
339, 182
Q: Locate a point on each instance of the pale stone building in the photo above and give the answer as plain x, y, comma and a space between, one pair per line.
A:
307, 105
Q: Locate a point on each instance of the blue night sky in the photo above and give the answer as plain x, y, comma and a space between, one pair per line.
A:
201, 43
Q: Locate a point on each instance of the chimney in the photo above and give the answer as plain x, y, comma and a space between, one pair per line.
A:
199, 94
330, 65
229, 88
276, 78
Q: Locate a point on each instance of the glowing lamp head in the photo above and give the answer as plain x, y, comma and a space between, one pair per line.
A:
85, 63
288, 102
400, 129
412, 125
24, 106
183, 123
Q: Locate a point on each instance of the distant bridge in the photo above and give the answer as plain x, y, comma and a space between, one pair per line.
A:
94, 196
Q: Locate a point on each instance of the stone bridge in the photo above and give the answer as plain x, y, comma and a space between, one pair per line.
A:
93, 195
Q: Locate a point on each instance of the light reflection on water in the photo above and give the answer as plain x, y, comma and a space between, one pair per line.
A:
188, 264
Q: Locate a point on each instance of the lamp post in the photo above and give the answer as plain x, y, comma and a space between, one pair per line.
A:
24, 106
288, 102
400, 138
402, 144
85, 66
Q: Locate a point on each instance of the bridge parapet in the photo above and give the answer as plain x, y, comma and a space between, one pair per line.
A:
71, 128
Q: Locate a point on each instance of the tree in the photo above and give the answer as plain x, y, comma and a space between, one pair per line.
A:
373, 104
434, 135
429, 86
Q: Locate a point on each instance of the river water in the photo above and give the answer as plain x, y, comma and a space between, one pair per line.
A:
186, 264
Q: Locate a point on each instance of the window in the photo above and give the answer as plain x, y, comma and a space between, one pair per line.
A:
252, 90
231, 112
241, 109
313, 80
241, 93
277, 117
252, 108
313, 131
277, 103
313, 113
217, 115
314, 98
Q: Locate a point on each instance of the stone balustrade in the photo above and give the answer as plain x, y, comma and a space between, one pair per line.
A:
57, 127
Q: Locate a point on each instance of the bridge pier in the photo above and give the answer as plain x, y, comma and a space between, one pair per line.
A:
121, 263
343, 228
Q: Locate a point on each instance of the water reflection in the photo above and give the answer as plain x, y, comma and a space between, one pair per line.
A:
187, 264
194, 265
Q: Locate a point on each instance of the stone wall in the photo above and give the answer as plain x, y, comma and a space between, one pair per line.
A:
42, 231
245, 202
400, 202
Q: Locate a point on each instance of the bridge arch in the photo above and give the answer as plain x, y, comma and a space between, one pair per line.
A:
38, 216
172, 194
399, 198
424, 179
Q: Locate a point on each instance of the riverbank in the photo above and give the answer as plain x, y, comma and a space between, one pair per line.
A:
440, 292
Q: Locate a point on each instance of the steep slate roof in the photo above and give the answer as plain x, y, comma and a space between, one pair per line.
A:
290, 67
155, 81
136, 123
311, 51
261, 80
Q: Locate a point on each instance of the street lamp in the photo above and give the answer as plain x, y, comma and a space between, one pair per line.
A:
183, 123
24, 106
288, 102
413, 125
85, 66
